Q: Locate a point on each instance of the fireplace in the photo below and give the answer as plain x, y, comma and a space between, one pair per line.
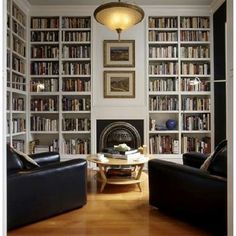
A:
114, 132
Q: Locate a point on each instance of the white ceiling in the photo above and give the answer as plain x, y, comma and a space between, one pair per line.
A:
138, 2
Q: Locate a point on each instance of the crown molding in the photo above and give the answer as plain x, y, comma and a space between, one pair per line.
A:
23, 4
216, 4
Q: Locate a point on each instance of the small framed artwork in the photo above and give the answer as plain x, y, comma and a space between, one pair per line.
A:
119, 53
119, 84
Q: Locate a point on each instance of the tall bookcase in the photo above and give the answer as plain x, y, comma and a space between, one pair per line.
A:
60, 84
16, 76
179, 84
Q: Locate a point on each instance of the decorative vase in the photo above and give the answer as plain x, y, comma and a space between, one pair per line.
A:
171, 124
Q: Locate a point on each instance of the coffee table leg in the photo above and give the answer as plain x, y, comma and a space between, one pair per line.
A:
103, 176
139, 175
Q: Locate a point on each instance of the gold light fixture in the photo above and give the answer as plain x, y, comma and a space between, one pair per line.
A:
118, 16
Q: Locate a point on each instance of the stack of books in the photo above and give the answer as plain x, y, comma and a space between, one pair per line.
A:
132, 154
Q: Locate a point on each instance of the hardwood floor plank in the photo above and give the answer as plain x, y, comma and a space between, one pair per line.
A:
118, 211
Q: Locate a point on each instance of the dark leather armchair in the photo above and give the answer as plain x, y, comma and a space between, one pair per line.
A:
37, 193
191, 193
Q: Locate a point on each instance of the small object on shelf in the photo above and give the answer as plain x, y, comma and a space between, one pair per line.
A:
171, 124
153, 123
161, 127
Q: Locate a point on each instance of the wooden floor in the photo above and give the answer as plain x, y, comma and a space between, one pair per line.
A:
118, 211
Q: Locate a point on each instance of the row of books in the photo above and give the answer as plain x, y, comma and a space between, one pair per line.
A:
76, 36
196, 104
76, 68
76, 22
44, 68
195, 52
74, 85
166, 84
76, 124
79, 51
18, 29
75, 104
187, 86
163, 103
193, 144
67, 36
18, 104
36, 147
43, 104
49, 85
154, 35
185, 22
163, 68
43, 124
200, 36
18, 144
163, 22
45, 51
163, 52
190, 68
18, 46
8, 40
44, 36
76, 146
18, 64
163, 144
44, 23
194, 22
17, 125
18, 82
196, 122
18, 14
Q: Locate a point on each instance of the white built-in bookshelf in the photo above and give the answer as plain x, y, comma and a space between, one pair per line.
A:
16, 76
60, 83
178, 58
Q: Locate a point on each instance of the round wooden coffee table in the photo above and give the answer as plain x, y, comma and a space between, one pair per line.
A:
135, 178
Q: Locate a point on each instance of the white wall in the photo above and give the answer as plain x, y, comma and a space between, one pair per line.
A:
118, 108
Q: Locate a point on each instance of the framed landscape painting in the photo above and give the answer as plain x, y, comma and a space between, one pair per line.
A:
119, 53
119, 84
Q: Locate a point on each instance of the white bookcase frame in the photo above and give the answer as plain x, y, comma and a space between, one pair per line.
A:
178, 133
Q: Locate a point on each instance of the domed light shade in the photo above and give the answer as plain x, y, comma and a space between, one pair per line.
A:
118, 16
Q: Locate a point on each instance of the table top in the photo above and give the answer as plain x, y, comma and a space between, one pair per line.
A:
116, 161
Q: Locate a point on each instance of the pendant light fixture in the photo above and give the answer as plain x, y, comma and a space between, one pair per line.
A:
118, 16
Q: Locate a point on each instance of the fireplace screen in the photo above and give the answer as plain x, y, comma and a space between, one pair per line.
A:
117, 132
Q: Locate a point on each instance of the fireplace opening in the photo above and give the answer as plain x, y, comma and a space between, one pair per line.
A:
114, 132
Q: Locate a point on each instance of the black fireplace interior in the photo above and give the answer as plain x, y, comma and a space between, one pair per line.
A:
114, 132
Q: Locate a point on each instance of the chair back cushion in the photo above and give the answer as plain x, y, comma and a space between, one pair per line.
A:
218, 165
13, 161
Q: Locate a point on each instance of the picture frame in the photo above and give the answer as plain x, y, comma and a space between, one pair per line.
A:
119, 84
119, 53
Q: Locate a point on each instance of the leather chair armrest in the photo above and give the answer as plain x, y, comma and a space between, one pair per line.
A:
46, 158
194, 159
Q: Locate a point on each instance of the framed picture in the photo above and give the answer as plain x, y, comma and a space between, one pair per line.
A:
119, 53
119, 84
